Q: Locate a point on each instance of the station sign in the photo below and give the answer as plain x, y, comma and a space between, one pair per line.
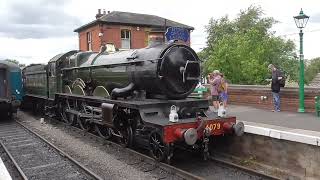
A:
177, 33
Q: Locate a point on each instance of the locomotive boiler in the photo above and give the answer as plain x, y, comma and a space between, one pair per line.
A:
139, 97
168, 72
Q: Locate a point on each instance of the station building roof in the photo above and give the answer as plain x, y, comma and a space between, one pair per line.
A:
128, 18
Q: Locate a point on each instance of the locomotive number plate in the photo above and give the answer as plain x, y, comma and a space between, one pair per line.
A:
214, 126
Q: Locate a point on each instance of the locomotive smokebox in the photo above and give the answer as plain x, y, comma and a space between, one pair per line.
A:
179, 69
172, 70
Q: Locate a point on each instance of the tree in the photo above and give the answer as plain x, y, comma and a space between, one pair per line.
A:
312, 69
242, 48
16, 62
13, 61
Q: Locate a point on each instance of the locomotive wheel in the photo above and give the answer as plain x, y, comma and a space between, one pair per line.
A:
68, 118
157, 147
84, 125
127, 137
103, 131
101, 92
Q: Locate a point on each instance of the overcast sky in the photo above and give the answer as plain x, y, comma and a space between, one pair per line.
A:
34, 31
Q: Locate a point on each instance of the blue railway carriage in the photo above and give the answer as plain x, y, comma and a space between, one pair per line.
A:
10, 88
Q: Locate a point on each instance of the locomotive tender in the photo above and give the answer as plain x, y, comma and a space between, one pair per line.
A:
10, 88
138, 96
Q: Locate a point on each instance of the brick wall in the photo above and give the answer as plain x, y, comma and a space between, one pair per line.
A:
250, 95
138, 38
112, 34
95, 30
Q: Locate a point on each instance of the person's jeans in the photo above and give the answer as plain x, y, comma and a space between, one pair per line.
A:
276, 101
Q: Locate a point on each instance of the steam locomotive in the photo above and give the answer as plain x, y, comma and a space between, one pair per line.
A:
137, 96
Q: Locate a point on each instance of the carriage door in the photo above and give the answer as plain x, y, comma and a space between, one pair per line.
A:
3, 83
52, 81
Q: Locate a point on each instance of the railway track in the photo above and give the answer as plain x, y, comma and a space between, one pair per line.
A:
217, 168
137, 159
36, 158
192, 168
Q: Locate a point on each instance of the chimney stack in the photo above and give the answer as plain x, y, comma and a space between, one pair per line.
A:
108, 12
104, 11
99, 14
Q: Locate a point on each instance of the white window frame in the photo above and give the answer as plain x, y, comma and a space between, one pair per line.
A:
127, 37
89, 41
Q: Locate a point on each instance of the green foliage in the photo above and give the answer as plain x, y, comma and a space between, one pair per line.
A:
312, 70
16, 62
242, 48
13, 61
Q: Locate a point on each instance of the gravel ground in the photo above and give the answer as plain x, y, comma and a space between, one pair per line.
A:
14, 173
209, 169
37, 159
105, 159
113, 162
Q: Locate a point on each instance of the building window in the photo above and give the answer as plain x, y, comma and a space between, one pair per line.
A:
125, 39
89, 41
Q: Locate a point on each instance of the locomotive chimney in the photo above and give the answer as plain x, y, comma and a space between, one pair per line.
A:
98, 15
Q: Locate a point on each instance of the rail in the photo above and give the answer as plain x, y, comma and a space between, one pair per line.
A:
88, 172
166, 167
24, 177
245, 169
169, 168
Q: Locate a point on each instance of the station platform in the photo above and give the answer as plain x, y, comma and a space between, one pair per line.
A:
298, 127
4, 174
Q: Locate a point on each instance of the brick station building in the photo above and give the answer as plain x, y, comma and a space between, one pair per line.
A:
124, 29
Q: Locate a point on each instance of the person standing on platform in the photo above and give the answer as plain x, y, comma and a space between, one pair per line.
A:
223, 90
275, 86
214, 81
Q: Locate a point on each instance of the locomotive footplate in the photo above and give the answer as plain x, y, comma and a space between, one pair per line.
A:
137, 103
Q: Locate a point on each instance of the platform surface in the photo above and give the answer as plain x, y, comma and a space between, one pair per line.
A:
4, 174
299, 127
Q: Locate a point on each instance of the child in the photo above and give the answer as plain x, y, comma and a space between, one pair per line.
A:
214, 80
224, 91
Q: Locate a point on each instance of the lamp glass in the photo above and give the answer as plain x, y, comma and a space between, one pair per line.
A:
301, 20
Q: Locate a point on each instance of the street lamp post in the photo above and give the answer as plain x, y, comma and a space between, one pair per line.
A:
301, 22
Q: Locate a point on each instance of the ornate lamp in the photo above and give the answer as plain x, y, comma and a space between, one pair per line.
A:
301, 22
